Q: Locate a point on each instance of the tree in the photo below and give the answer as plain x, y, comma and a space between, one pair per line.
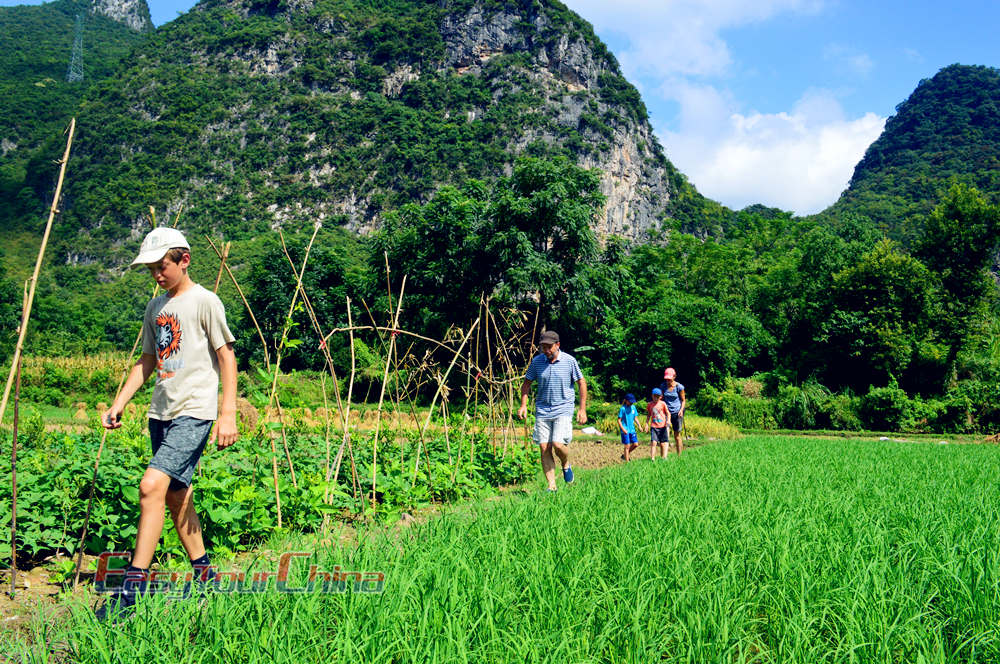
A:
959, 243
331, 275
879, 322
522, 241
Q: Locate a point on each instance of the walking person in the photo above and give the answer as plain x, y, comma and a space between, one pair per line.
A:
657, 416
673, 396
555, 372
186, 342
626, 426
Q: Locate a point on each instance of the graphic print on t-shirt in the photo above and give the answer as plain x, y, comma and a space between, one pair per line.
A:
168, 344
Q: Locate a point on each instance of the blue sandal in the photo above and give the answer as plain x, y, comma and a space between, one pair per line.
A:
568, 474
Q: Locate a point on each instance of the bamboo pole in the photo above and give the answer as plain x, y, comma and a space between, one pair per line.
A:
263, 342
347, 411
489, 372
13, 460
267, 362
385, 378
273, 397
26, 316
104, 432
13, 483
222, 265
326, 445
509, 366
443, 381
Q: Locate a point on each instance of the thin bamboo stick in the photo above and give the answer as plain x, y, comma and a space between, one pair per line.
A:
13, 462
222, 265
26, 316
263, 342
273, 397
267, 362
347, 411
326, 445
443, 381
381, 396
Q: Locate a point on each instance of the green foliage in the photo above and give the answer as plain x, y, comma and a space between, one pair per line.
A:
959, 242
234, 492
736, 408
332, 274
947, 131
880, 318
885, 408
524, 237
38, 101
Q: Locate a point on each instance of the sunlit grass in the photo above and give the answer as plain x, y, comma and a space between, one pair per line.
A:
763, 550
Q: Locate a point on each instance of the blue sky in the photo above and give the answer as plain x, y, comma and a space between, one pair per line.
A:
774, 101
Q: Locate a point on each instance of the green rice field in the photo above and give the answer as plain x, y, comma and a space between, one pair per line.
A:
765, 549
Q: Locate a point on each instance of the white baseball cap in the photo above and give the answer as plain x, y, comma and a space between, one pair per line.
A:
157, 243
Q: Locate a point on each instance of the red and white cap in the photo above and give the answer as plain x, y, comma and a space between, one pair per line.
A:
669, 373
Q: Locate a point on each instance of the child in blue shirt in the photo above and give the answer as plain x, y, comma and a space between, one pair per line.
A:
626, 425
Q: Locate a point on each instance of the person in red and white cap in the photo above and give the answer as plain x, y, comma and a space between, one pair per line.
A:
673, 396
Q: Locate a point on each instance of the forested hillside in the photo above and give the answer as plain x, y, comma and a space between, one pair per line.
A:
492, 150
37, 98
255, 115
947, 131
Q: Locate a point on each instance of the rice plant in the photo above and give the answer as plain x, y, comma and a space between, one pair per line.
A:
758, 550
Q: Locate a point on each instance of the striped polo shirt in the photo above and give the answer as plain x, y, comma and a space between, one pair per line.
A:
555, 396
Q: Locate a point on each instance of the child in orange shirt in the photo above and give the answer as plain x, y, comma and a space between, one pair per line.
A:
656, 417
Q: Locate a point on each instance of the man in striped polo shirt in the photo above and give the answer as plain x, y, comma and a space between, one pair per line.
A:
555, 373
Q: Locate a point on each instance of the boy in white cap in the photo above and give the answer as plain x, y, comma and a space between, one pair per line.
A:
186, 341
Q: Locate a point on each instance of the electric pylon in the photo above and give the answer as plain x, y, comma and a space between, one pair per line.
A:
75, 71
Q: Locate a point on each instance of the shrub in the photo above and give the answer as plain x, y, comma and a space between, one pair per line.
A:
972, 407
736, 409
884, 408
799, 407
839, 411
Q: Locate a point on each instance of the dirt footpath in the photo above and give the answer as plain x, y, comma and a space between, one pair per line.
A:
590, 452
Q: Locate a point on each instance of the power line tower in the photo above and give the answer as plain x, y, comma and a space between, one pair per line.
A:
75, 71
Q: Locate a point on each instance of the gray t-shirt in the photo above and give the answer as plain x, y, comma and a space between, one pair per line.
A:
183, 334
555, 384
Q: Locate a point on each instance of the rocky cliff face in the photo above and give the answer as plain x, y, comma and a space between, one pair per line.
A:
573, 76
133, 13
256, 114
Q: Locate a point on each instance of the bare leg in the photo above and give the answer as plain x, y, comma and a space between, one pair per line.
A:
663, 449
152, 500
562, 452
679, 441
548, 464
186, 521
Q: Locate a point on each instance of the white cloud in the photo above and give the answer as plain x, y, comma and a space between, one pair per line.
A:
679, 37
799, 160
